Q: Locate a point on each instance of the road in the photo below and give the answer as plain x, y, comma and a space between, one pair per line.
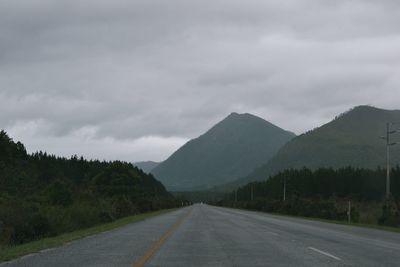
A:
203, 235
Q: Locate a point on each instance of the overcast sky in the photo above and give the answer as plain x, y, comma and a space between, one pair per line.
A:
134, 80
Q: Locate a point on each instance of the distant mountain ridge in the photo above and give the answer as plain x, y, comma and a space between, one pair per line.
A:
146, 166
232, 148
351, 139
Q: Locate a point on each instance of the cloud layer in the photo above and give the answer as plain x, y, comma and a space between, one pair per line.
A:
134, 80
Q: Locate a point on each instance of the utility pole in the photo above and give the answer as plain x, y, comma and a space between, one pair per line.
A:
388, 145
284, 188
349, 212
252, 194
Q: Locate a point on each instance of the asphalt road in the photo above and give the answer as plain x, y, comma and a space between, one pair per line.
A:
203, 235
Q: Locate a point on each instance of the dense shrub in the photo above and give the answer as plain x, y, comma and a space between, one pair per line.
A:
390, 213
43, 195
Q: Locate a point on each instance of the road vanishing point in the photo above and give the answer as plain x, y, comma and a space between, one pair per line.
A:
203, 235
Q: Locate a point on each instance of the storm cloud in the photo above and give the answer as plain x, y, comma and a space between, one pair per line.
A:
134, 80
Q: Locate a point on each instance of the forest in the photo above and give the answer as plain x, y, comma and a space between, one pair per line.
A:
324, 193
43, 195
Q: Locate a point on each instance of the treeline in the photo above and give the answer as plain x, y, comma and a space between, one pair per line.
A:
43, 195
200, 196
324, 193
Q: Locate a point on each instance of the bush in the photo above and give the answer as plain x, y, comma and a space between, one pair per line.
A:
21, 223
390, 214
123, 207
58, 194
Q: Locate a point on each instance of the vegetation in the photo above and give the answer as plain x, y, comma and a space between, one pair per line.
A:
232, 148
43, 195
351, 139
11, 252
324, 193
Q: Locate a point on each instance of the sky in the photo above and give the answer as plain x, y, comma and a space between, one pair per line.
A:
134, 80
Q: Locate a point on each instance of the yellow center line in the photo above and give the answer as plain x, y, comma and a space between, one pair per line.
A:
142, 261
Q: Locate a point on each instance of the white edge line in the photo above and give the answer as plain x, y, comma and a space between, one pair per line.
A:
325, 253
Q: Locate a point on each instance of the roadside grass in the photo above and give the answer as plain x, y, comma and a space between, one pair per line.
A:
11, 252
363, 225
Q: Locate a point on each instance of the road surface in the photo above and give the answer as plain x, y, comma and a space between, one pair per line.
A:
203, 235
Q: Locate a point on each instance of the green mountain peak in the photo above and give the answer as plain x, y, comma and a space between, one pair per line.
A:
233, 147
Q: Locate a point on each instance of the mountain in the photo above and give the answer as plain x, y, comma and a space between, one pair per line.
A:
351, 139
146, 166
232, 148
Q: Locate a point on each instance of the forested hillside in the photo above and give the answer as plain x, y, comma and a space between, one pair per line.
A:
44, 195
351, 139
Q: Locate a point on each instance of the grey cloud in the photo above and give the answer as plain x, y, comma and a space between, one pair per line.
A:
134, 73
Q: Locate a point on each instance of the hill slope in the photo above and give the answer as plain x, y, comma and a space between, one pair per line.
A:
146, 166
350, 139
232, 148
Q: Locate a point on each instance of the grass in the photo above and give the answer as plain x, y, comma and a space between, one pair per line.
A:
12, 252
364, 225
